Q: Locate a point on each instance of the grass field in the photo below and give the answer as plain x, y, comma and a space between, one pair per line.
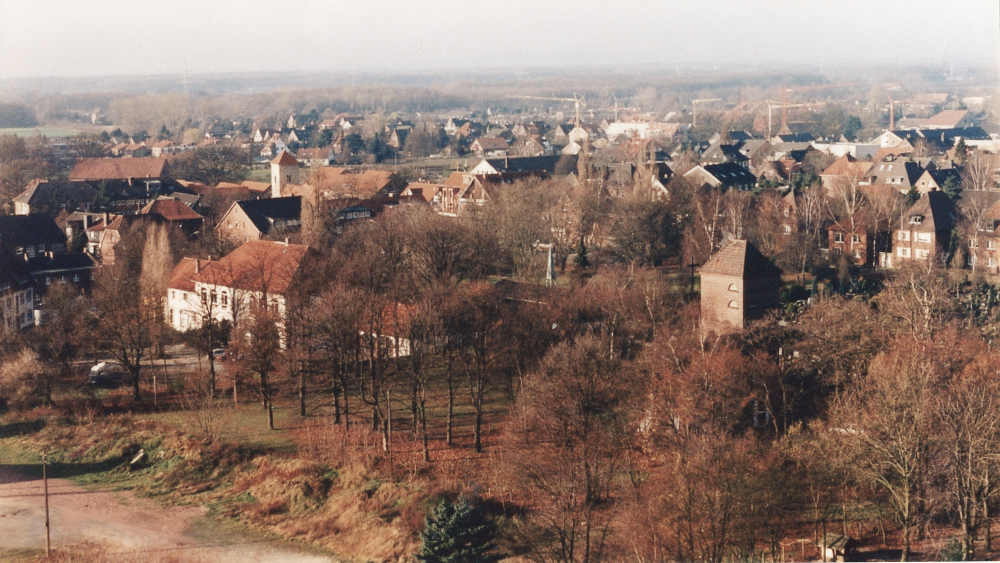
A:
39, 131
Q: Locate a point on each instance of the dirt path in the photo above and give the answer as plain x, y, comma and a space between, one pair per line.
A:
120, 522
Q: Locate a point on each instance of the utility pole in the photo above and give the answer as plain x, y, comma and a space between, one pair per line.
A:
45, 483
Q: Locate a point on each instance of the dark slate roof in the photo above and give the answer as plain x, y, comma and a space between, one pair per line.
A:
941, 175
731, 174
53, 195
794, 138
265, 212
23, 230
60, 263
528, 163
723, 153
740, 136
14, 273
739, 258
937, 211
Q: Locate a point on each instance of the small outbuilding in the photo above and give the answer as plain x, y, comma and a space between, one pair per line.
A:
738, 284
837, 547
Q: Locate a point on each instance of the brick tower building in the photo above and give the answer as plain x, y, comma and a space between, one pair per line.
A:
738, 284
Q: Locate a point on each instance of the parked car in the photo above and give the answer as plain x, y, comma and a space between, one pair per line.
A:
107, 374
219, 354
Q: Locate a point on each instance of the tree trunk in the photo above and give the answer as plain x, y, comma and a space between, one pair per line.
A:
477, 443
336, 403
270, 415
302, 393
211, 375
135, 384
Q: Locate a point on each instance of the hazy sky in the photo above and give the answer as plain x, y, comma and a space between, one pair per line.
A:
137, 37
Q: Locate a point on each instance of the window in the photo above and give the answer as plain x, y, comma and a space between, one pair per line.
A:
855, 238
225, 299
903, 252
76, 278
31, 251
838, 237
857, 253
787, 229
837, 251
916, 219
204, 296
215, 297
734, 305
173, 295
787, 212
991, 262
48, 280
733, 287
922, 254
972, 259
991, 245
924, 237
904, 235
41, 248
973, 243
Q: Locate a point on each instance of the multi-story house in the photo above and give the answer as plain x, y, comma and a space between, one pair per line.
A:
924, 230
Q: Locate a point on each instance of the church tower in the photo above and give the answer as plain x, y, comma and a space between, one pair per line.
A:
284, 171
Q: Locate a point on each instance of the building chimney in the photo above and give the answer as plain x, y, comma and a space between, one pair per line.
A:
197, 266
107, 219
86, 221
286, 241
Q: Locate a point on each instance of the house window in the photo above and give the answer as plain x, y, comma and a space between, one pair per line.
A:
787, 229
838, 237
972, 259
922, 253
204, 296
903, 252
973, 243
225, 299
857, 253
916, 219
733, 287
734, 305
991, 262
48, 280
991, 245
31, 251
76, 278
855, 238
837, 251
215, 297
173, 295
904, 235
924, 237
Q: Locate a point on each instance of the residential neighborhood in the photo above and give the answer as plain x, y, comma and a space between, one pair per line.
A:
540, 302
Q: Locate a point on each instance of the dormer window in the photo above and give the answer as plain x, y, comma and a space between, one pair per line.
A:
916, 219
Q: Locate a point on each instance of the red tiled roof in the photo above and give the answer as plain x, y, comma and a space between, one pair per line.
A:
171, 210
183, 275
118, 168
257, 265
285, 159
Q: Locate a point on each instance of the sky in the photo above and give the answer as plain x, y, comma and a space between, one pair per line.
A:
82, 38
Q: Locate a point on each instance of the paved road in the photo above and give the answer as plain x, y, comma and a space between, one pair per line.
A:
119, 523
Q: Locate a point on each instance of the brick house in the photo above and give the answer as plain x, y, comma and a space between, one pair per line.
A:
738, 284
858, 239
924, 229
255, 219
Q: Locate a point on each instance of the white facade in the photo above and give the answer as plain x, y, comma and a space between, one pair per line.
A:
18, 309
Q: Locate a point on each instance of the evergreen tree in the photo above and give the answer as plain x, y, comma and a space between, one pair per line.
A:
912, 196
961, 151
458, 533
952, 188
581, 256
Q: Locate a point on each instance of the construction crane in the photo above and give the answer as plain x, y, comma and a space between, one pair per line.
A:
694, 108
784, 99
577, 102
783, 105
